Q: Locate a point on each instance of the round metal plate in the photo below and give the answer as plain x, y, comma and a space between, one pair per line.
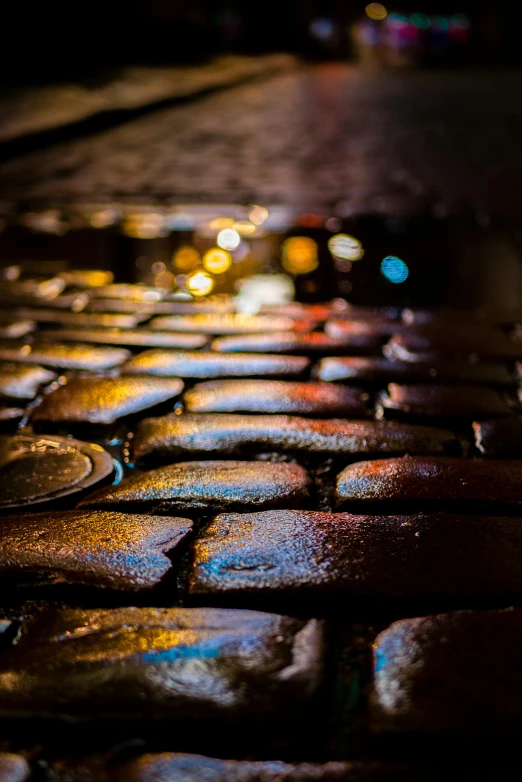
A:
36, 470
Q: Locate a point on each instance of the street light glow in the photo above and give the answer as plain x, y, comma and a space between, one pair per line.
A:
376, 11
258, 214
244, 227
221, 223
217, 261
300, 255
186, 258
346, 247
200, 283
228, 239
394, 269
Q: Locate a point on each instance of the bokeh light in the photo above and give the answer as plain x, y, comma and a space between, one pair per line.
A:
261, 289
346, 247
149, 225
48, 221
322, 28
376, 11
217, 261
228, 239
186, 258
94, 279
397, 21
150, 296
221, 224
333, 224
300, 255
104, 218
165, 279
420, 21
200, 283
244, 227
258, 214
394, 269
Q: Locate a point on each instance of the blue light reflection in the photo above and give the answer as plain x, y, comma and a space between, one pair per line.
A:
394, 269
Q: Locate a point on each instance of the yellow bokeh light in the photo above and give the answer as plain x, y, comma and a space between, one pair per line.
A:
144, 226
200, 283
300, 255
217, 261
221, 224
244, 227
85, 278
97, 279
165, 280
346, 247
103, 218
186, 258
228, 239
258, 215
376, 11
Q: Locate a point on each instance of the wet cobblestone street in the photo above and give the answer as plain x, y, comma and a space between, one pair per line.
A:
261, 431
394, 141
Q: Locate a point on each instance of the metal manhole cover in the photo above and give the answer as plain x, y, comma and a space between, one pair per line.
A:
40, 469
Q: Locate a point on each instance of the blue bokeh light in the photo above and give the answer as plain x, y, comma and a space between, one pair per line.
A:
394, 269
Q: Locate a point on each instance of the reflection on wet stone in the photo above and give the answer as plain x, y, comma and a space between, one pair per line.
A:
192, 487
428, 481
15, 329
173, 435
174, 767
10, 415
429, 674
61, 356
206, 365
424, 556
23, 382
128, 292
439, 346
171, 662
90, 548
298, 392
381, 370
227, 324
301, 311
291, 342
499, 437
270, 396
376, 330
140, 338
104, 399
76, 319
430, 401
13, 768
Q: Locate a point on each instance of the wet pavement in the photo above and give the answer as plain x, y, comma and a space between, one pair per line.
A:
386, 141
27, 112
182, 599
177, 577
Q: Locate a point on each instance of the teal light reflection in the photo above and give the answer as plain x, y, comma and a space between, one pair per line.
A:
394, 269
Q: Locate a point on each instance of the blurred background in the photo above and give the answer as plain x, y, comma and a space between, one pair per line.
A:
55, 40
132, 135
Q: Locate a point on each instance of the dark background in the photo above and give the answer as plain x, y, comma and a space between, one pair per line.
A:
42, 41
